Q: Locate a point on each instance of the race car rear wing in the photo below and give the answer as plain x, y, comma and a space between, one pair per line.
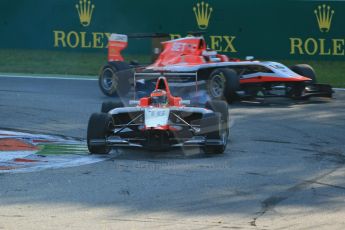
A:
118, 42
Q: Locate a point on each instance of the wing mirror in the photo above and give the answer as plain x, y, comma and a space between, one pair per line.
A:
185, 102
249, 58
134, 102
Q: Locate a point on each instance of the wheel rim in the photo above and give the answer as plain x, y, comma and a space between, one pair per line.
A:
108, 79
217, 85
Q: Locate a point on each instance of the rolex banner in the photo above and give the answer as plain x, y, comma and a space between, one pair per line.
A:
266, 29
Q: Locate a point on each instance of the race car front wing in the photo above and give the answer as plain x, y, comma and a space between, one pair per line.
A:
115, 141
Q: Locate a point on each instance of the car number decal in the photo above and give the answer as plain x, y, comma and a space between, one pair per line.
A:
155, 117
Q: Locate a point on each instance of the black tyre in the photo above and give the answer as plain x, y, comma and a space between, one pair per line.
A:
223, 84
305, 71
295, 90
114, 79
223, 108
211, 128
98, 129
109, 105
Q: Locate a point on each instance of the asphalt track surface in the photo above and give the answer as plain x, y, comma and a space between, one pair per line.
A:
284, 168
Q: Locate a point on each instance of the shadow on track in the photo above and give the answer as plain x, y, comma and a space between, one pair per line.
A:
279, 102
141, 154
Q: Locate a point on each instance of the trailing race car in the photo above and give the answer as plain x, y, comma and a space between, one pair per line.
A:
159, 122
223, 77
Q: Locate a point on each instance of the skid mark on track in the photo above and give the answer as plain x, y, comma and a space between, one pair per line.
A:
271, 202
273, 141
179, 222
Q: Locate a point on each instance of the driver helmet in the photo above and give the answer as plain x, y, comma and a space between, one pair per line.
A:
159, 98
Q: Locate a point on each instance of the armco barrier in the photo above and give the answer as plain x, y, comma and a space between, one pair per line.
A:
283, 29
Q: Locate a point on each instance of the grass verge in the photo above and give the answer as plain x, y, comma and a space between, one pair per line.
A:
330, 72
81, 63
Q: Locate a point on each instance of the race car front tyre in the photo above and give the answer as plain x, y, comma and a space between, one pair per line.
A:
114, 79
223, 108
295, 91
305, 71
98, 129
216, 137
110, 105
223, 83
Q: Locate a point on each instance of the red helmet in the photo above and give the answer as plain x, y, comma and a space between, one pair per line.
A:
159, 97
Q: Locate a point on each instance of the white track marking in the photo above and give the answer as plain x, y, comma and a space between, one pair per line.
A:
75, 156
59, 162
81, 78
11, 155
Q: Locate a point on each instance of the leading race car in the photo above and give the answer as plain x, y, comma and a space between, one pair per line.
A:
223, 77
159, 122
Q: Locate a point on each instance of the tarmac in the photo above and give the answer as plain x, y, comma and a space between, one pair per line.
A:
284, 168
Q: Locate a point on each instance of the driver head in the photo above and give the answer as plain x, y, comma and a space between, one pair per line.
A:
159, 98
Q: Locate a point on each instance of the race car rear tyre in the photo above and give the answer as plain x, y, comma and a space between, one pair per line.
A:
223, 84
210, 126
114, 79
110, 105
98, 129
223, 108
305, 71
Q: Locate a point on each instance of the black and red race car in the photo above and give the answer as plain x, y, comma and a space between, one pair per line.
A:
159, 122
222, 77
